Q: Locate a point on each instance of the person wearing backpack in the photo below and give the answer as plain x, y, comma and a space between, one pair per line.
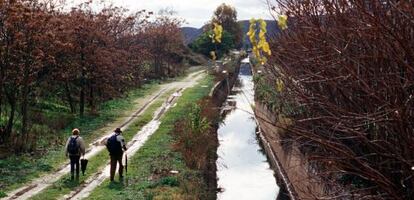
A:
116, 147
75, 148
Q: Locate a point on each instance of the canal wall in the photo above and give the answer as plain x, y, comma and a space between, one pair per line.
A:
291, 168
223, 87
217, 96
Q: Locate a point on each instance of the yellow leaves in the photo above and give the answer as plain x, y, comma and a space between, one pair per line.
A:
279, 85
252, 32
213, 55
252, 37
264, 46
260, 45
217, 33
282, 22
263, 27
216, 37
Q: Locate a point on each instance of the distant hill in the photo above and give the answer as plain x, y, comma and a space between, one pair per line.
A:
272, 29
190, 33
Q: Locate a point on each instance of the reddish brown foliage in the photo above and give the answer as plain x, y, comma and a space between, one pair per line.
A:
196, 134
348, 69
196, 140
82, 56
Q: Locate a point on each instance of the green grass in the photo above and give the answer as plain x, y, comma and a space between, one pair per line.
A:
148, 171
99, 161
17, 170
65, 185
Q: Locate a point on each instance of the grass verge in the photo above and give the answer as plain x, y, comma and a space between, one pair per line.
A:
149, 171
99, 161
17, 170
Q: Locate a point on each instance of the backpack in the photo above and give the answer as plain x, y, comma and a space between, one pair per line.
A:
113, 145
73, 146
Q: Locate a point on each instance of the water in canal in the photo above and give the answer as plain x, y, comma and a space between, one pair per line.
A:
242, 169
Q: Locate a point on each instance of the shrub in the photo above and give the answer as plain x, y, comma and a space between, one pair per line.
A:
348, 66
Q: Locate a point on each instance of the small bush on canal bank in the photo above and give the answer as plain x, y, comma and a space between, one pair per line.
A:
195, 134
196, 140
150, 171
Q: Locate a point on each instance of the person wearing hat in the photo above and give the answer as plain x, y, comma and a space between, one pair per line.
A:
74, 148
116, 147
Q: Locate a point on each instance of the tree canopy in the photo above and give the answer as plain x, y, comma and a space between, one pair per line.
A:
79, 59
226, 15
204, 44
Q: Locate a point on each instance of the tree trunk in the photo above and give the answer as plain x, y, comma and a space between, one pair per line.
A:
1, 86
168, 70
83, 82
69, 98
4, 65
91, 99
9, 127
1, 100
82, 98
25, 101
156, 67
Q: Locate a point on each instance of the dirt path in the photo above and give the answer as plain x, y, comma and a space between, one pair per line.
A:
39, 184
136, 143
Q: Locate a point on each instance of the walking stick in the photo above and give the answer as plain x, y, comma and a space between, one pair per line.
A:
126, 169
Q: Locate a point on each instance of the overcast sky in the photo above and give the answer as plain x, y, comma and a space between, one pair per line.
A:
197, 12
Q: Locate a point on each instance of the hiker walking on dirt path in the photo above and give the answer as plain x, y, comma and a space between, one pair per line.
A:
116, 147
75, 148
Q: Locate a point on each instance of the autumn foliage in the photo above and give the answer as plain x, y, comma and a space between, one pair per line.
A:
348, 74
79, 56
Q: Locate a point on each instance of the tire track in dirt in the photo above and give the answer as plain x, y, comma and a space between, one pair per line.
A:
39, 184
136, 143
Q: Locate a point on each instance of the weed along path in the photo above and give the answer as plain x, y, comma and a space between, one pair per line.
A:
133, 146
38, 185
140, 138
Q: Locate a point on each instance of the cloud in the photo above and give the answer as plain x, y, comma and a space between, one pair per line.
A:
196, 12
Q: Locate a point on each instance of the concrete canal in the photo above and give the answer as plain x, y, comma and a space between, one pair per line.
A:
243, 171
